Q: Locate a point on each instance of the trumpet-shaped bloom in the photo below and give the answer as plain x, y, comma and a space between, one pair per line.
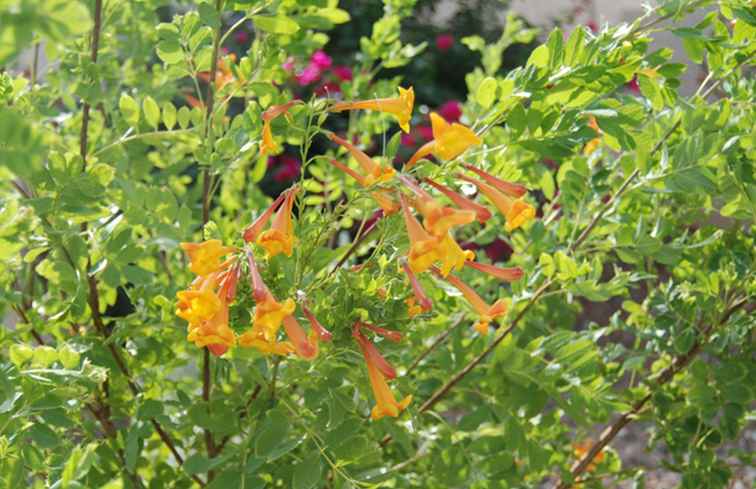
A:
516, 211
382, 197
269, 313
205, 257
400, 107
223, 73
214, 332
305, 346
449, 141
386, 404
323, 334
374, 173
437, 218
486, 312
197, 306
426, 249
509, 188
280, 237
481, 213
420, 302
268, 144
506, 274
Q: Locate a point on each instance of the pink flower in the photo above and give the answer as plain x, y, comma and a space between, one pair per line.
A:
241, 37
444, 42
343, 73
288, 65
408, 140
425, 132
321, 59
451, 111
633, 86
288, 170
498, 250
592, 25
310, 74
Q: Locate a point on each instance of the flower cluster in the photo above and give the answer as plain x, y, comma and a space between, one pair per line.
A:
432, 244
205, 304
432, 248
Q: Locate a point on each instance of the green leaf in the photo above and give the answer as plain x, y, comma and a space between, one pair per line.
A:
151, 112
169, 115
280, 24
486, 92
539, 57
184, 117
307, 472
129, 109
170, 52
258, 172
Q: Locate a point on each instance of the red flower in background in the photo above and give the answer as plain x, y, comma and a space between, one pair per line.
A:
633, 86
241, 37
310, 74
444, 42
425, 132
451, 111
320, 59
287, 168
343, 73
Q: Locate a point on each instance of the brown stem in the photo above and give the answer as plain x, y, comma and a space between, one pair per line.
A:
25, 318
444, 389
242, 414
611, 431
84, 136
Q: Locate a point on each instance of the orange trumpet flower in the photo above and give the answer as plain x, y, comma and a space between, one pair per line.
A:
374, 173
268, 144
382, 197
438, 219
280, 237
400, 107
449, 141
516, 211
386, 404
420, 302
481, 213
509, 188
486, 312
426, 249
205, 257
506, 274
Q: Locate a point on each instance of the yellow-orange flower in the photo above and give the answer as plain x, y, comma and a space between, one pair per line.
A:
506, 274
486, 312
437, 218
594, 143
280, 237
449, 141
305, 346
268, 144
516, 211
269, 314
214, 332
386, 404
382, 197
197, 306
581, 449
374, 173
481, 213
426, 249
223, 74
420, 302
509, 188
205, 257
400, 107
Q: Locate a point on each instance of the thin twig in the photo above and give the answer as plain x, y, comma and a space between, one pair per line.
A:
441, 338
611, 431
84, 136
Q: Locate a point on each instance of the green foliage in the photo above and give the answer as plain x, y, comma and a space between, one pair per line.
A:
645, 205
